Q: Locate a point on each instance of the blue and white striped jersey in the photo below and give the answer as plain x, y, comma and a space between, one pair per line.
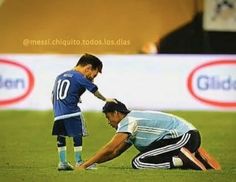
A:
68, 88
146, 127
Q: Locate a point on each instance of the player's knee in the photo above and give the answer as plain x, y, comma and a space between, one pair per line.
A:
61, 141
77, 140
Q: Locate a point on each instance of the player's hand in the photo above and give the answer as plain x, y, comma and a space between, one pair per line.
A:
80, 168
111, 100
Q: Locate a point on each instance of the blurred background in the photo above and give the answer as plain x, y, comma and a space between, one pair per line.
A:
167, 39
174, 26
173, 55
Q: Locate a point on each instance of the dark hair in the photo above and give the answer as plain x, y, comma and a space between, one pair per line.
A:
112, 107
90, 59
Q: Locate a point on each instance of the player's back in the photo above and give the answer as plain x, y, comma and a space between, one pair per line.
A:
154, 125
68, 88
161, 120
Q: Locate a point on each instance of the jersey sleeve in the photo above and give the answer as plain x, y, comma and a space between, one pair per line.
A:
127, 125
88, 85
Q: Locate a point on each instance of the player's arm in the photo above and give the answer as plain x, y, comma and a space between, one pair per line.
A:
112, 149
100, 96
89, 85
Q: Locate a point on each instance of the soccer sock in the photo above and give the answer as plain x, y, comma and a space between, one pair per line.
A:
62, 154
78, 148
61, 147
177, 162
78, 153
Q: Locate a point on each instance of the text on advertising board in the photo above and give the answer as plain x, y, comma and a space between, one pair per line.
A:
16, 82
214, 83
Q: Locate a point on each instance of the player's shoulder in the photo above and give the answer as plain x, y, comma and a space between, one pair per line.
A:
131, 117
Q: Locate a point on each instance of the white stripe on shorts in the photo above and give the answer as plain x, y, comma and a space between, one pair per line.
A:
65, 116
138, 164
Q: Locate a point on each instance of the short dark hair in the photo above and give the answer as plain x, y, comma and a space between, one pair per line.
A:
112, 107
90, 59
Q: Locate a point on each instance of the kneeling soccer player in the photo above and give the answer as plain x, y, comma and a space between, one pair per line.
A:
163, 140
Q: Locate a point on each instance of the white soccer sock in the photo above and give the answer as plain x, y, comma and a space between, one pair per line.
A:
62, 154
78, 149
177, 162
78, 153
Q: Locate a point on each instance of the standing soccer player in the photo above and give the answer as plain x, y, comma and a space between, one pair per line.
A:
68, 120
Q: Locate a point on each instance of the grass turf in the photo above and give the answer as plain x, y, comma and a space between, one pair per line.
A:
28, 151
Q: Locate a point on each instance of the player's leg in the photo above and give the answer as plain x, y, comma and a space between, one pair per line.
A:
78, 149
59, 130
61, 148
74, 129
80, 129
164, 154
159, 154
63, 165
190, 161
78, 139
186, 153
208, 160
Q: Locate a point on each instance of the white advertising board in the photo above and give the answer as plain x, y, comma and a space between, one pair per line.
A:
157, 82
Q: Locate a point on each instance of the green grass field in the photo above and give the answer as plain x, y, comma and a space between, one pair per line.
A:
28, 151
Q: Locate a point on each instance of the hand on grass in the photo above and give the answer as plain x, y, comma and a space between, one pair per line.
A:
80, 168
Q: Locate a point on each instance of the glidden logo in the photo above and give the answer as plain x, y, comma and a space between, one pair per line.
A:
214, 83
16, 82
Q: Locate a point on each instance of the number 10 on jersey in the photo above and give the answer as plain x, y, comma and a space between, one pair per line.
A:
62, 89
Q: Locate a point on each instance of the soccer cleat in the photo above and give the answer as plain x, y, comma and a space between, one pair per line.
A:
189, 160
91, 167
65, 166
77, 164
208, 161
